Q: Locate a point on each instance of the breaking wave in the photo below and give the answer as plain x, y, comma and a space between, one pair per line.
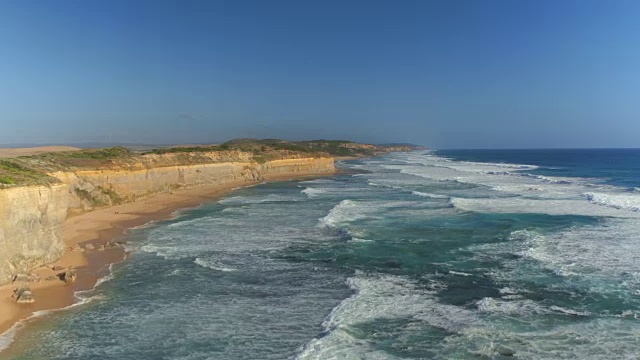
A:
313, 192
375, 297
213, 265
433, 196
629, 202
345, 211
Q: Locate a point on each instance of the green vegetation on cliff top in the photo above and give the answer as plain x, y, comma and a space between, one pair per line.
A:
317, 148
33, 170
13, 173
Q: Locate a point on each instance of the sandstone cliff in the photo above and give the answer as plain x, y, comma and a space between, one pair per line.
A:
91, 188
31, 217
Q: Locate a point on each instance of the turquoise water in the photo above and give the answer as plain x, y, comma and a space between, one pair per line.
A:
448, 255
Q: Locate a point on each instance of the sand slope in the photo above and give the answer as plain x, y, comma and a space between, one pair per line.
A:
13, 152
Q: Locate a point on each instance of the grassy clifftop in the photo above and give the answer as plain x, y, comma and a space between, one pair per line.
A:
14, 172
330, 147
267, 148
33, 170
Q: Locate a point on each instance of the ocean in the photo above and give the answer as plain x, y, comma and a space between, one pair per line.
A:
468, 254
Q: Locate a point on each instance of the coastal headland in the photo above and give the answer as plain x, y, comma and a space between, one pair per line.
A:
64, 215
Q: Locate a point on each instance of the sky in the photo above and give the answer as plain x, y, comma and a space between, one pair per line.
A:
445, 74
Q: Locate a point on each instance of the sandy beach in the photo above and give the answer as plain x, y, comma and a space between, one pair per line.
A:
100, 227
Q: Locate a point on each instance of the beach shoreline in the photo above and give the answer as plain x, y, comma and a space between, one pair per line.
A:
100, 227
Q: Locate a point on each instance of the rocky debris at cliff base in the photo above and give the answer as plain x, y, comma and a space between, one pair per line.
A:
57, 268
69, 276
25, 278
52, 278
101, 247
89, 247
24, 295
113, 244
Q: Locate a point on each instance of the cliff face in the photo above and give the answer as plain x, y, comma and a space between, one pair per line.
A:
88, 189
31, 219
402, 148
309, 165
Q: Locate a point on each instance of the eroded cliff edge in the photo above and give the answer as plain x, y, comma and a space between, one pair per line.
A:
32, 217
94, 188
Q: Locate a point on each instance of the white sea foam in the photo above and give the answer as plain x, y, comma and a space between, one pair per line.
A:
555, 180
606, 253
598, 339
560, 195
628, 201
322, 181
345, 211
512, 303
7, 337
510, 182
381, 297
313, 192
539, 206
467, 166
359, 240
105, 278
484, 168
235, 210
242, 200
348, 210
509, 291
600, 258
213, 265
373, 183
523, 235
167, 252
460, 273
569, 311
521, 307
187, 222
433, 196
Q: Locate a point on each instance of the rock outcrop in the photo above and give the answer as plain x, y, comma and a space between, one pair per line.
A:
24, 296
24, 278
69, 276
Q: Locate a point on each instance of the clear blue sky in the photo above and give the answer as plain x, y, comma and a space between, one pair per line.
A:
446, 74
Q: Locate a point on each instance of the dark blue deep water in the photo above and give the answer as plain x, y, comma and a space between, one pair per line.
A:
483, 254
614, 166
